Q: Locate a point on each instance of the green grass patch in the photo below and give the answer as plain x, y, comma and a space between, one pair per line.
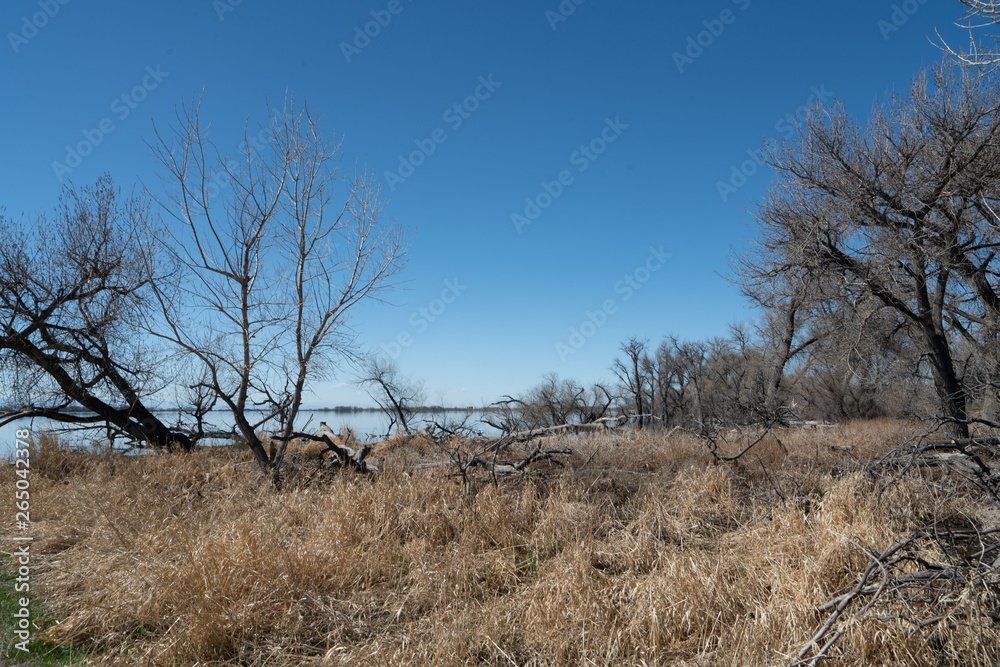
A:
40, 653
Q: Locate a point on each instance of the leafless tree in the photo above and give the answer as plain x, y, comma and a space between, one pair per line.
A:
734, 381
275, 248
553, 402
397, 395
691, 357
74, 290
786, 327
667, 383
864, 366
564, 401
903, 210
980, 15
632, 372
556, 401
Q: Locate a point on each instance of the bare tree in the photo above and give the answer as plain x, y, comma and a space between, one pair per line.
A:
555, 402
787, 325
979, 15
903, 210
275, 248
691, 359
397, 395
632, 373
733, 381
596, 404
552, 403
73, 293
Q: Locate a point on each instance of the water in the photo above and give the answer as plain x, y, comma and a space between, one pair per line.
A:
366, 425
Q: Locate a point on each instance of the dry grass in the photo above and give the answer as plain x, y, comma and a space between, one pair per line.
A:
639, 551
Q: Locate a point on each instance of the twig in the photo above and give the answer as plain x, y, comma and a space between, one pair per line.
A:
845, 600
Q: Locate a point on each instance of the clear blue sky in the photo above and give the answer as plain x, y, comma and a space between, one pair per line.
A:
606, 77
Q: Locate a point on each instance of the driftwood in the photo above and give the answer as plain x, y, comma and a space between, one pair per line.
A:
347, 456
937, 566
487, 456
963, 564
508, 468
840, 604
602, 424
963, 456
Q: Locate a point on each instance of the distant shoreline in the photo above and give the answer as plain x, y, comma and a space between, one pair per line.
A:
419, 410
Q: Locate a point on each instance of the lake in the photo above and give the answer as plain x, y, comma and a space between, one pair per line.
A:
365, 424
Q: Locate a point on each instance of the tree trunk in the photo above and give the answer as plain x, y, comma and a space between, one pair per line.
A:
136, 420
950, 389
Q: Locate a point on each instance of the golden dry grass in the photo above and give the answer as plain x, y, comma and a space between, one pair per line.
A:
639, 552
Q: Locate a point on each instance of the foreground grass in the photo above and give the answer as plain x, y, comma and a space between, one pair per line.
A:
38, 653
640, 551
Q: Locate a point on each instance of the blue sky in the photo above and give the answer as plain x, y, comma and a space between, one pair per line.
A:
618, 121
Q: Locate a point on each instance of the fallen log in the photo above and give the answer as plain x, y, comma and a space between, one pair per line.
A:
602, 424
509, 468
348, 456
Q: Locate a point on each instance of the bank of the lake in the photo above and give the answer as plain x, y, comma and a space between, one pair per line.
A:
366, 424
